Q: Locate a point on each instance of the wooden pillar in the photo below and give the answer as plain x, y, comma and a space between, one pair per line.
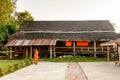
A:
88, 49
26, 52
102, 48
108, 54
11, 53
95, 45
50, 51
54, 51
74, 48
7, 51
119, 53
30, 51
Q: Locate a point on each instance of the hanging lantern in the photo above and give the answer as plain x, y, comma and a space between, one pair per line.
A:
68, 43
82, 43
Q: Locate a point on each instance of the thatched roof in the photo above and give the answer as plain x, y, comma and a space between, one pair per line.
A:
74, 30
72, 36
97, 25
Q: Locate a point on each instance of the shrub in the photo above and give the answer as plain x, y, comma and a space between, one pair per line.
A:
1, 72
16, 66
27, 61
9, 68
22, 63
31, 61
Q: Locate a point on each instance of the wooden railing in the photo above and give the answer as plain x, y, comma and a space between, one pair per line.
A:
83, 49
70, 49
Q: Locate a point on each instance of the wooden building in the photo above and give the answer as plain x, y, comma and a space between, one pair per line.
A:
61, 37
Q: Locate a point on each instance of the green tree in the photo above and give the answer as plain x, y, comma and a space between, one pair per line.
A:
6, 31
24, 16
10, 20
6, 9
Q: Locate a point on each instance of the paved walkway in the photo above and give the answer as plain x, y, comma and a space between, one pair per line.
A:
74, 72
42, 71
61, 71
101, 70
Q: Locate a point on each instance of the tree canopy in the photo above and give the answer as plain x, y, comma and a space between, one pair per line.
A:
9, 21
6, 31
24, 16
6, 9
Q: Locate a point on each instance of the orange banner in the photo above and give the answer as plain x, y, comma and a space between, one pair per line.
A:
68, 43
82, 43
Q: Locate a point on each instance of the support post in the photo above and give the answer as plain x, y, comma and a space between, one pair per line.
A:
74, 48
119, 53
95, 49
54, 51
108, 54
11, 53
26, 52
30, 51
50, 51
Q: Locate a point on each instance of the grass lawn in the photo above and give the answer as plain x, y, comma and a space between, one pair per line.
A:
77, 59
5, 62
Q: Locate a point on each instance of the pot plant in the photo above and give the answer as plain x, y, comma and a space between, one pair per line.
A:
22, 63
1, 72
27, 61
16, 66
9, 68
31, 61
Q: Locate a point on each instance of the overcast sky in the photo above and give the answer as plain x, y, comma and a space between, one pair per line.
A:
72, 9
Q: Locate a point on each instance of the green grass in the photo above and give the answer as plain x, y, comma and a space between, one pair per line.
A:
77, 59
5, 62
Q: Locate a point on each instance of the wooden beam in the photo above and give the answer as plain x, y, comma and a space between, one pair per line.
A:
74, 48
108, 54
50, 51
30, 51
95, 45
10, 53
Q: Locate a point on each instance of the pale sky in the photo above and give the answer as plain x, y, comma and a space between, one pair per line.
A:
72, 9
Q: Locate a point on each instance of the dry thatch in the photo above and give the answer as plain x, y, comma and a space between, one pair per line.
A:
74, 30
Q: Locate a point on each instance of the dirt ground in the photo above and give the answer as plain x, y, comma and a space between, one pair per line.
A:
67, 71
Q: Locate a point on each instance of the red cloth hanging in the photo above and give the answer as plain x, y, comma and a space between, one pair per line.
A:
68, 43
82, 43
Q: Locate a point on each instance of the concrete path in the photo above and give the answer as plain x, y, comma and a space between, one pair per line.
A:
101, 70
42, 71
74, 72
61, 71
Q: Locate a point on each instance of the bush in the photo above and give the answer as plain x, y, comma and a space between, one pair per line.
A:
1, 72
27, 61
9, 68
31, 61
22, 63
16, 66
